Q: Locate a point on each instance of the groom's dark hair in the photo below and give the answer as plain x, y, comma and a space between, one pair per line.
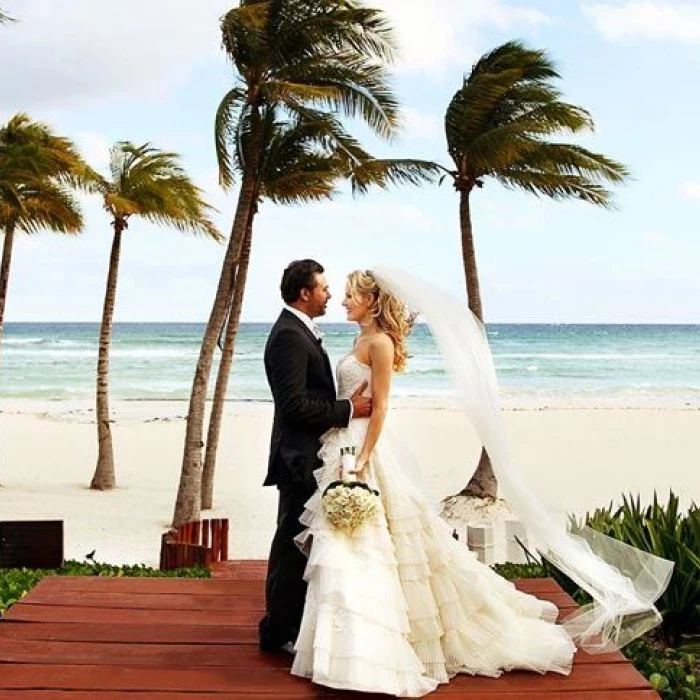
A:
298, 275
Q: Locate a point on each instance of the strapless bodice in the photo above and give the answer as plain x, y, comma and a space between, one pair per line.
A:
350, 373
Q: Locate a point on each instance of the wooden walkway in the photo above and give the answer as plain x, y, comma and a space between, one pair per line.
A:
185, 639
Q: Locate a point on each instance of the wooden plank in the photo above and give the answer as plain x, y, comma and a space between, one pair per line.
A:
131, 633
259, 679
128, 654
153, 601
313, 692
586, 677
150, 585
175, 635
128, 678
194, 653
534, 585
105, 637
209, 587
21, 612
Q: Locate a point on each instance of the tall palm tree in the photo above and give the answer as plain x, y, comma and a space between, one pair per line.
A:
292, 54
501, 124
148, 183
38, 171
303, 160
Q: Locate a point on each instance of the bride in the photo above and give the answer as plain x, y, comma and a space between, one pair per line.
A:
399, 606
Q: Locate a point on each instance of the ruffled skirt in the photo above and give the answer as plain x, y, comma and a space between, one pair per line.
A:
399, 606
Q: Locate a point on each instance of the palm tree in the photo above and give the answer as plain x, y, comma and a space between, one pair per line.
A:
5, 18
291, 55
303, 160
148, 183
500, 124
38, 170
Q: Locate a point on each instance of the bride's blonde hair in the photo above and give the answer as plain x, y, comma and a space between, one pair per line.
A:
390, 313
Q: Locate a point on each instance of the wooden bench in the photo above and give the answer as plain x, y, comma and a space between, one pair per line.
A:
31, 544
199, 543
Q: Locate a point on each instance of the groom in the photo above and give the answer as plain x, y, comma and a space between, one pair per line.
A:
301, 379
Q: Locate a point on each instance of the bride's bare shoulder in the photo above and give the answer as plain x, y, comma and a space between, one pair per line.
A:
381, 342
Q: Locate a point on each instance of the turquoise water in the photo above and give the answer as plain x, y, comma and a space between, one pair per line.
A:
537, 364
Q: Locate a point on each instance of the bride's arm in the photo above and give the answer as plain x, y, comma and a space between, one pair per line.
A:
381, 359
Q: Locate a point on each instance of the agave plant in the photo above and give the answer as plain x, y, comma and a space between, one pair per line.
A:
667, 532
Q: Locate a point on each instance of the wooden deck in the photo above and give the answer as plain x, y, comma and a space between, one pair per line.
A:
185, 639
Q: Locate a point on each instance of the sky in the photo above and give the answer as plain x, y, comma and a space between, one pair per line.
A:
153, 71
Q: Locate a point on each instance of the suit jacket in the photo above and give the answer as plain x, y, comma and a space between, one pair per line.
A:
301, 379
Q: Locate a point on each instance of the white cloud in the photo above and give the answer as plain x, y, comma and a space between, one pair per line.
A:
691, 190
95, 150
646, 19
421, 125
66, 53
435, 36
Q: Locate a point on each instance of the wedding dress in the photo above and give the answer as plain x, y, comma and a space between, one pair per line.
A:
399, 606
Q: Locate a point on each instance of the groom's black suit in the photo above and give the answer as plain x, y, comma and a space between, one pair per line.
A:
301, 379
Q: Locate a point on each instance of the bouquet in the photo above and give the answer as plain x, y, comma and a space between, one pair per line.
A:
349, 503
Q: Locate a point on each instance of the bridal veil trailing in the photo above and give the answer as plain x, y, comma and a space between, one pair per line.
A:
623, 582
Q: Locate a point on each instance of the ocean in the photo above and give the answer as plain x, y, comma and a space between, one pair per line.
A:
538, 365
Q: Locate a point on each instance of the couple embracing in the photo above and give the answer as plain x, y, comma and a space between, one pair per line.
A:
396, 606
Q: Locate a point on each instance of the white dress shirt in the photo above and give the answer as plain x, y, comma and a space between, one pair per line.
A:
316, 332
306, 320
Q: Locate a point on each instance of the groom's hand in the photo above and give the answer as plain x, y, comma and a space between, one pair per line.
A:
361, 405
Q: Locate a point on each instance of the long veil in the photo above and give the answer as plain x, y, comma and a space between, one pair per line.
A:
623, 582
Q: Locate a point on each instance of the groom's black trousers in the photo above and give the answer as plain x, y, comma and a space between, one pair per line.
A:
285, 589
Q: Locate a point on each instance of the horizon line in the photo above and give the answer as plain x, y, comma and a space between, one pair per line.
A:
350, 323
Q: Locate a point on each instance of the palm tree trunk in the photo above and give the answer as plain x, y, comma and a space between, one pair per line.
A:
189, 495
471, 272
483, 483
5, 271
104, 477
225, 365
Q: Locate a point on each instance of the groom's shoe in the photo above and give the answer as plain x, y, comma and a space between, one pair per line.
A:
288, 648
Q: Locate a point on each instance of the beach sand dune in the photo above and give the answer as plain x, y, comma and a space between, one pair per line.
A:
576, 459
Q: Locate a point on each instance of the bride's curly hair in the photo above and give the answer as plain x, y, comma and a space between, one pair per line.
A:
390, 313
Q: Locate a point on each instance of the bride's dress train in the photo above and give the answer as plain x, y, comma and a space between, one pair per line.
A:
400, 606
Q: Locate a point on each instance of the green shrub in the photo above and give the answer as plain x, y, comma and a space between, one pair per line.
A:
673, 673
666, 532
15, 583
529, 570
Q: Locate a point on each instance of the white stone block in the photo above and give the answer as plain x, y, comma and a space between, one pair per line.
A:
515, 533
480, 534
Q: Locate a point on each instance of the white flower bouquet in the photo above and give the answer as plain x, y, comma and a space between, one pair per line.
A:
349, 503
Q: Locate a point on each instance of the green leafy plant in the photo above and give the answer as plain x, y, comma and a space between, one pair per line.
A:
672, 673
16, 583
665, 531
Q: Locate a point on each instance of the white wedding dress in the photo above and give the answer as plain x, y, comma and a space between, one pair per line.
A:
400, 606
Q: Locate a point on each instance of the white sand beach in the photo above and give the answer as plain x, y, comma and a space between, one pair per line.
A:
576, 459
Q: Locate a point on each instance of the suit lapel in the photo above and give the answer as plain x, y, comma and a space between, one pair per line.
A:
319, 346
295, 319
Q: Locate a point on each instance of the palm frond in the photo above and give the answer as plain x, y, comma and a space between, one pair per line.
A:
5, 18
38, 169
383, 173
557, 186
151, 183
500, 122
46, 205
226, 125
